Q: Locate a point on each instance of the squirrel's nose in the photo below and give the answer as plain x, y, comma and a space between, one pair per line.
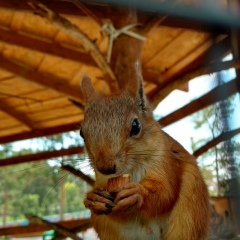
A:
107, 170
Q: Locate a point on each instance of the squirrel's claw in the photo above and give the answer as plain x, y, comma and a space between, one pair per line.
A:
129, 197
99, 201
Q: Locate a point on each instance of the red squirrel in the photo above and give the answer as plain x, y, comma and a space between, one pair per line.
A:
166, 197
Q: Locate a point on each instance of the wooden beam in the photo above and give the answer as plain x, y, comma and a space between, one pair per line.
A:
55, 226
14, 38
40, 133
78, 173
19, 116
36, 228
217, 94
52, 82
222, 137
100, 10
208, 69
41, 156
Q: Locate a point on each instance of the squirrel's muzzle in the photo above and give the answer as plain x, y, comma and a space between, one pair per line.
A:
105, 164
107, 170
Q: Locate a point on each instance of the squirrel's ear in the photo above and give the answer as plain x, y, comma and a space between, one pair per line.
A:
87, 88
135, 88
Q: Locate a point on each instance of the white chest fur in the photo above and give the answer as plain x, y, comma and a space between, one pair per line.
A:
133, 230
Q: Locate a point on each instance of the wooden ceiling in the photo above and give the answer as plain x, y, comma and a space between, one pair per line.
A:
41, 64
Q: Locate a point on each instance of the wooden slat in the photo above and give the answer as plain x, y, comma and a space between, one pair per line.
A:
35, 228
56, 121
50, 82
41, 156
216, 52
204, 70
40, 132
18, 115
14, 38
57, 112
189, 45
217, 94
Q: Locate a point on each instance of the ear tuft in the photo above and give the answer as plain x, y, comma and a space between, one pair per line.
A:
135, 88
87, 88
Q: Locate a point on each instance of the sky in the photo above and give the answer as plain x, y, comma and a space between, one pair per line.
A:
183, 130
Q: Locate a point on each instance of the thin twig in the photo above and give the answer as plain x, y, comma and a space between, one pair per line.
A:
72, 30
79, 174
222, 137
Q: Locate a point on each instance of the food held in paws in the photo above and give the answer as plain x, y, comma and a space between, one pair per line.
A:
115, 183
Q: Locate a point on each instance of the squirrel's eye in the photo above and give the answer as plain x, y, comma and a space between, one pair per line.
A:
136, 127
81, 133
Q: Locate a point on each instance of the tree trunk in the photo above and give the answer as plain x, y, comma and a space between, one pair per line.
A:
5, 208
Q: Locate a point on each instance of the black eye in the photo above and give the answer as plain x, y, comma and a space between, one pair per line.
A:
81, 133
136, 127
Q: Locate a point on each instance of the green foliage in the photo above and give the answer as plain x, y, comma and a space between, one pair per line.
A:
36, 187
216, 159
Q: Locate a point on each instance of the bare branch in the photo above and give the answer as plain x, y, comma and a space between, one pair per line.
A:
73, 31
79, 174
222, 137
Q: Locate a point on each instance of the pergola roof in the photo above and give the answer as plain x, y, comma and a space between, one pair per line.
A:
41, 66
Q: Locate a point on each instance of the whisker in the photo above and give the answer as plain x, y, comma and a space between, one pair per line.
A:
49, 192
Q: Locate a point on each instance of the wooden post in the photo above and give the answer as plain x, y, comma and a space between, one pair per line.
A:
234, 8
126, 50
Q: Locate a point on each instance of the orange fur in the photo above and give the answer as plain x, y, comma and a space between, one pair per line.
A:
166, 198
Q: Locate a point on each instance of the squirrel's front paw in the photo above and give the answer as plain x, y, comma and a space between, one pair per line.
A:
99, 201
128, 197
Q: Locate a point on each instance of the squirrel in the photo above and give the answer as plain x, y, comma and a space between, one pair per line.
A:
166, 198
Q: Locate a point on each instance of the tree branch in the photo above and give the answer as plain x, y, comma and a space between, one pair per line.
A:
73, 31
63, 231
79, 174
222, 137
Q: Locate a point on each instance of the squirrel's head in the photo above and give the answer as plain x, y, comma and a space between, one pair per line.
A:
115, 126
